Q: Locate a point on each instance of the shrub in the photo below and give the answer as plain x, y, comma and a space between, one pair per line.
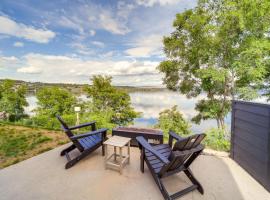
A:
172, 119
217, 139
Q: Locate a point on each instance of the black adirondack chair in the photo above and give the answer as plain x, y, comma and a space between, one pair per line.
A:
167, 159
85, 143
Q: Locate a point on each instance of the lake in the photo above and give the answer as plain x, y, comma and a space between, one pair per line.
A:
150, 104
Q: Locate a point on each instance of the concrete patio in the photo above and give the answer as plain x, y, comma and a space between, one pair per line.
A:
44, 177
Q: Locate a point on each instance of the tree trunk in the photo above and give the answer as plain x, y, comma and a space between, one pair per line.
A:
222, 122
218, 123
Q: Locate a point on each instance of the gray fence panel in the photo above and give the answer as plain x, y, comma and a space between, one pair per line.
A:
250, 140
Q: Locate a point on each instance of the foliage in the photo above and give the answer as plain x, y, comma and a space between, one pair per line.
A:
221, 49
12, 99
216, 140
172, 119
103, 119
52, 123
54, 100
106, 97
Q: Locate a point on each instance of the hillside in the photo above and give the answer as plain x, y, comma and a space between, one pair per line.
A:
78, 88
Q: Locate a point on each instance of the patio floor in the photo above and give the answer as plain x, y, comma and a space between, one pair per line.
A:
44, 177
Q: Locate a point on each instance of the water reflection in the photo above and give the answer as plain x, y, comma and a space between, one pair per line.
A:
150, 104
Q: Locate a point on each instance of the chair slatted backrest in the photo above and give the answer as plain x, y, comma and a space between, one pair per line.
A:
69, 132
176, 158
65, 126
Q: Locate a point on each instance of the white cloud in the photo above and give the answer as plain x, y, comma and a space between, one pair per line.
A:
12, 28
8, 62
82, 48
29, 70
98, 44
92, 32
86, 18
150, 3
108, 23
108, 54
8, 59
139, 52
18, 44
146, 46
72, 23
51, 68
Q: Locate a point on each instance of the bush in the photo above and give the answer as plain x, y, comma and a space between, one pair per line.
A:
103, 119
172, 119
217, 139
52, 122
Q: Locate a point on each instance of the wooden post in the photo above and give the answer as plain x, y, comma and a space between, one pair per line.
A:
121, 160
106, 155
115, 151
129, 152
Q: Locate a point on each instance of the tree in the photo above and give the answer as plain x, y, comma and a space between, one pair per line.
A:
220, 49
106, 98
12, 99
172, 119
54, 100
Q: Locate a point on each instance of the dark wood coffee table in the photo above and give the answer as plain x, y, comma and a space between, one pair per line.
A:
153, 136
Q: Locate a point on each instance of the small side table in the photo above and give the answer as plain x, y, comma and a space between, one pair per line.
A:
120, 142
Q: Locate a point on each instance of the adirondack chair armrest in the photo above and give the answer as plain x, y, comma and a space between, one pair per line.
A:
144, 144
190, 151
103, 131
173, 135
92, 124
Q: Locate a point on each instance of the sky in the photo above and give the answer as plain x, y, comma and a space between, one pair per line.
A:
69, 41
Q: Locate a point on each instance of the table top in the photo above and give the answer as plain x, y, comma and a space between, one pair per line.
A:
139, 130
117, 141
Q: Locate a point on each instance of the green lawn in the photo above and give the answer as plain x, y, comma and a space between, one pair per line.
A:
18, 143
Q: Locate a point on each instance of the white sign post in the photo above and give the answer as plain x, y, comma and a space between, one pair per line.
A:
77, 110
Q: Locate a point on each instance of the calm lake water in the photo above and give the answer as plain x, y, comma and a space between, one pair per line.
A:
150, 104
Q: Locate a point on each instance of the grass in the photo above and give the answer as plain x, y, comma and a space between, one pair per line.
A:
18, 143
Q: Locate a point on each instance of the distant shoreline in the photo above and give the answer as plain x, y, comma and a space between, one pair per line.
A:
78, 88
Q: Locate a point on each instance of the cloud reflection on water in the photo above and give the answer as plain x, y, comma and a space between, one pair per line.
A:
150, 104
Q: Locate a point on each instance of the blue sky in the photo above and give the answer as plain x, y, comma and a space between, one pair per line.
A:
70, 41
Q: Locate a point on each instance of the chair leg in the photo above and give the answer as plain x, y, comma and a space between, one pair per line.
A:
66, 150
142, 161
162, 188
191, 177
72, 162
103, 150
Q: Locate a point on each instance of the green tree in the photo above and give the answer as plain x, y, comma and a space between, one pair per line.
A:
12, 99
54, 100
172, 119
106, 98
220, 49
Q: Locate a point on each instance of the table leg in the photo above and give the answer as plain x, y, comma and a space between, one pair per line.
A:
106, 155
114, 148
121, 160
161, 140
129, 152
